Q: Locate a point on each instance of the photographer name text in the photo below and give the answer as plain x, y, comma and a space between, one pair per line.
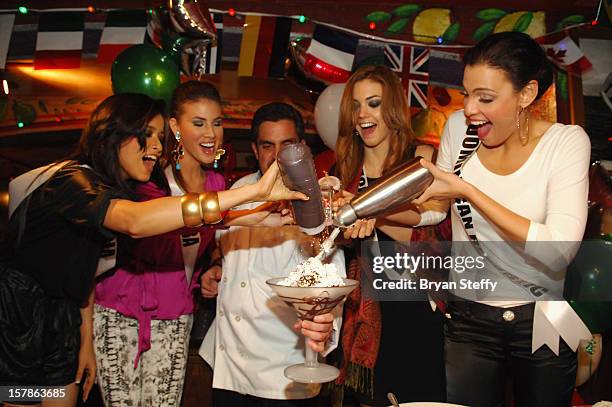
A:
424, 284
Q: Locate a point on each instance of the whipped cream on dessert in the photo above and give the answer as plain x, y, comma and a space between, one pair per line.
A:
313, 273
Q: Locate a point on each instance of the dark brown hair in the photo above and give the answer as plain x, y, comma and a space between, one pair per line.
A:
518, 55
115, 120
192, 91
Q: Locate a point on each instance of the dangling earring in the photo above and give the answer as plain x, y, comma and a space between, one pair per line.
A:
178, 152
355, 133
523, 138
218, 155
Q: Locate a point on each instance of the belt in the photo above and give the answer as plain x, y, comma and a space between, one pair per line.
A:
491, 313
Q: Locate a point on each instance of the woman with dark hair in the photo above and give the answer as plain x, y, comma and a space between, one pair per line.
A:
60, 220
519, 187
144, 309
374, 136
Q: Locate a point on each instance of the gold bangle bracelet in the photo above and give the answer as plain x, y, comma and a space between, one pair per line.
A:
209, 204
192, 212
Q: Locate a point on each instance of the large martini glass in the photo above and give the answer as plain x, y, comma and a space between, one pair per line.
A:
308, 302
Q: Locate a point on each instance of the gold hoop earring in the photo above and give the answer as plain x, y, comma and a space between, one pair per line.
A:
178, 152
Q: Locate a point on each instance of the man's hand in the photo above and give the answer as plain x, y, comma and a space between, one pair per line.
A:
270, 214
209, 284
317, 331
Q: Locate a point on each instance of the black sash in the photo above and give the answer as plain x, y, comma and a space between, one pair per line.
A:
464, 208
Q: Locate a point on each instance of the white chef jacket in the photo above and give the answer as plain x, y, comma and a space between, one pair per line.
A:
252, 340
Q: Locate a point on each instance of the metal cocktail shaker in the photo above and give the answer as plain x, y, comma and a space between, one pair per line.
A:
401, 185
298, 172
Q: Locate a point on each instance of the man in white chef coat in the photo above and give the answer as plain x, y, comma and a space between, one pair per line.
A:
254, 338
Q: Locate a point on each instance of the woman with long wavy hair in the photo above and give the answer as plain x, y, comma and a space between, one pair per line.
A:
374, 136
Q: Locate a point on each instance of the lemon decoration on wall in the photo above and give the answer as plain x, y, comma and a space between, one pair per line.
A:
531, 23
439, 25
431, 24
497, 20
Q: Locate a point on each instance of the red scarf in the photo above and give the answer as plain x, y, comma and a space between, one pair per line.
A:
361, 325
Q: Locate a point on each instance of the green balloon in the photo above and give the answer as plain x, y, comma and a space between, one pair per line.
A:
597, 315
145, 69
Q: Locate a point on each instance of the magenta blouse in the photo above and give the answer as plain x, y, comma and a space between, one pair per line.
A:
150, 281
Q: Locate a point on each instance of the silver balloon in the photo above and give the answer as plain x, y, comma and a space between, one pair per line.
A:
192, 17
194, 57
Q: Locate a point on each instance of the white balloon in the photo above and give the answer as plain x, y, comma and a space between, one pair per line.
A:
327, 114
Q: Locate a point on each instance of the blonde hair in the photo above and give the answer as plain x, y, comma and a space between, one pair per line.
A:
395, 113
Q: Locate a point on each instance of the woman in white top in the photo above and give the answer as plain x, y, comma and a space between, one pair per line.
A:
520, 182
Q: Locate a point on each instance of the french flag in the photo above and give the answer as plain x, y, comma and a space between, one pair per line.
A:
331, 54
59, 41
123, 29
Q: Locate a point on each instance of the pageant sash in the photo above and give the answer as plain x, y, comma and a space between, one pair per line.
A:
190, 243
464, 209
20, 189
552, 320
22, 186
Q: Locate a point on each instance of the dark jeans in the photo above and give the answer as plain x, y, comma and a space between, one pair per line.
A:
226, 398
483, 350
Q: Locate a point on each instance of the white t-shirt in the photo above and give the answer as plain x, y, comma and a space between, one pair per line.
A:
255, 340
550, 189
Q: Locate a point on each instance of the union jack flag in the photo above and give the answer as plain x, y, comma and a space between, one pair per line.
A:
411, 64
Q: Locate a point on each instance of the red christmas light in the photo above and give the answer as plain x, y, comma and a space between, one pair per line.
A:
231, 12
594, 23
372, 25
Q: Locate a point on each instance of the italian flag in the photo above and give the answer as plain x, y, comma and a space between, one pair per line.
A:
123, 29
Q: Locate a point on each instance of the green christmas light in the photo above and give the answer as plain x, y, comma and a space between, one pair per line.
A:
302, 19
23, 10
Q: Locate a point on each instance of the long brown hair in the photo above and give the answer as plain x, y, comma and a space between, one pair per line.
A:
395, 113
